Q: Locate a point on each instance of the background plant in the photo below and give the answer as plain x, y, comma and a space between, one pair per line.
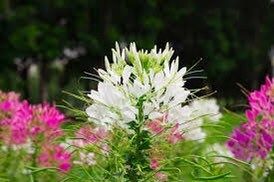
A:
253, 140
231, 40
29, 138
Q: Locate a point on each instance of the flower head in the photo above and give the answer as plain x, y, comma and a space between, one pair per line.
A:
31, 127
160, 176
154, 164
49, 115
89, 135
250, 141
155, 80
134, 75
156, 126
255, 138
175, 134
54, 155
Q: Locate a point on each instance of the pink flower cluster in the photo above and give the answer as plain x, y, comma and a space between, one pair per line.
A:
88, 136
158, 125
171, 134
255, 138
21, 122
155, 165
55, 155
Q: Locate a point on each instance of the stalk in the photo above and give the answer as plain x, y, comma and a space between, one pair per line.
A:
34, 164
137, 161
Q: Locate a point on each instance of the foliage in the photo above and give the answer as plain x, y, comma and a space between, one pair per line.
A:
232, 38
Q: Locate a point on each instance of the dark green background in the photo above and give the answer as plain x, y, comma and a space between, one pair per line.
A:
233, 37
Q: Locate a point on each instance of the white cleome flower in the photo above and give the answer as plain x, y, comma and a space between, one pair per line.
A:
206, 109
132, 75
201, 111
86, 158
190, 126
192, 117
150, 76
110, 105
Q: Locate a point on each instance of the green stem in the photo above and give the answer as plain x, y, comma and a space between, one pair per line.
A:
137, 157
34, 164
7, 162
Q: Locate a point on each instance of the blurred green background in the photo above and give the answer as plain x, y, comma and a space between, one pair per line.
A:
47, 45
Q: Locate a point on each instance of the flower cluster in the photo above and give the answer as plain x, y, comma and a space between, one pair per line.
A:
255, 138
87, 137
31, 127
133, 77
143, 94
149, 78
196, 114
55, 155
203, 111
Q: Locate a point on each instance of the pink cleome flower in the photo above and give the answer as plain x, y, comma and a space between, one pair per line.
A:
250, 141
47, 121
160, 176
50, 115
89, 135
154, 163
54, 155
21, 122
15, 118
255, 138
175, 135
157, 126
9, 105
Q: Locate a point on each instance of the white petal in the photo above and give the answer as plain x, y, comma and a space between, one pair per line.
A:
155, 115
126, 74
